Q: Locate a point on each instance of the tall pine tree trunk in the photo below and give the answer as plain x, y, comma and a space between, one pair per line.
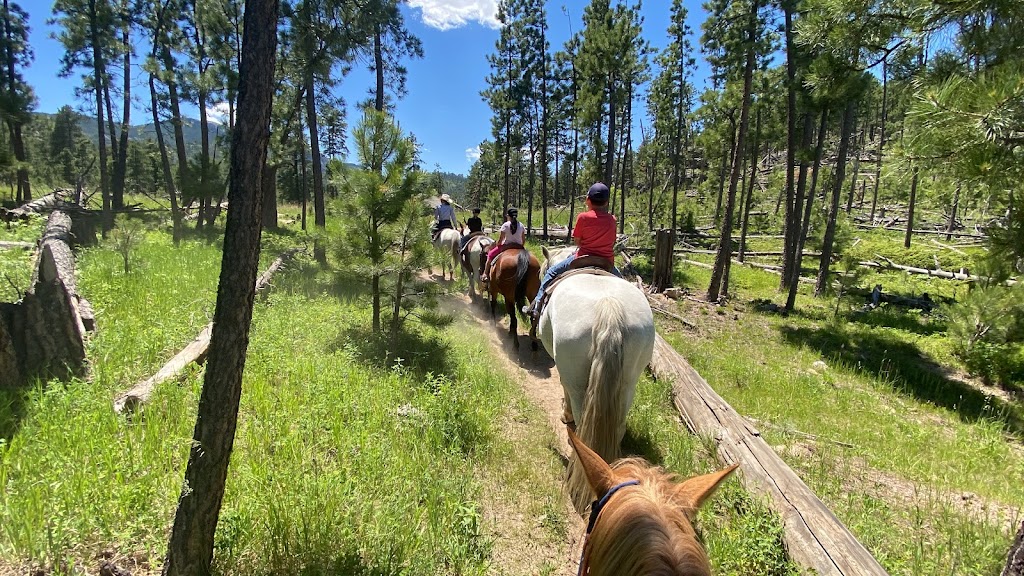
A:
719, 276
910, 209
821, 286
881, 138
378, 65
204, 161
99, 71
319, 213
17, 141
121, 161
805, 224
952, 213
856, 167
190, 551
610, 152
165, 163
792, 212
750, 185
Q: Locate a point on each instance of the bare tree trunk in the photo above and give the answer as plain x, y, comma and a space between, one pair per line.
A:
165, 164
190, 550
17, 141
798, 257
856, 168
179, 134
610, 153
952, 213
910, 210
99, 70
319, 213
719, 279
881, 137
750, 185
378, 65
801, 205
792, 212
821, 286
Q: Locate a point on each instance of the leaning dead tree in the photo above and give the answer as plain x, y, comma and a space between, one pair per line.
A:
44, 333
195, 352
814, 537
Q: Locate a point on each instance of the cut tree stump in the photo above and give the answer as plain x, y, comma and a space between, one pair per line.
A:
814, 538
663, 260
195, 352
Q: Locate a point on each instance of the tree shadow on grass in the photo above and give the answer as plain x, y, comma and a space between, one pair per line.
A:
413, 351
908, 370
888, 316
304, 276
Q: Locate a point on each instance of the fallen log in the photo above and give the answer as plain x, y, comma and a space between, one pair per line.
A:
36, 206
937, 232
814, 538
11, 245
195, 352
44, 333
890, 265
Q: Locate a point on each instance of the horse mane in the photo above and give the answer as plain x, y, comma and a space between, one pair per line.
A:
647, 529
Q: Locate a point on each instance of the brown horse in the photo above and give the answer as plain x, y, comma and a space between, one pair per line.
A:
642, 521
515, 274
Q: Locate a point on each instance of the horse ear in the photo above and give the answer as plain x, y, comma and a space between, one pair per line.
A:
696, 490
599, 474
544, 249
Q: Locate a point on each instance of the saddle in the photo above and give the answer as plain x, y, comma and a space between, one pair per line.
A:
469, 243
574, 270
504, 249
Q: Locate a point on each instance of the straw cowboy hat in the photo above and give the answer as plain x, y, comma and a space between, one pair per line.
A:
446, 198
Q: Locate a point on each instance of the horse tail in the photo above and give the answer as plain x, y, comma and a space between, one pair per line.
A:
603, 411
522, 265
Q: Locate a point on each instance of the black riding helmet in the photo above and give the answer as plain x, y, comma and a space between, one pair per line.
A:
512, 212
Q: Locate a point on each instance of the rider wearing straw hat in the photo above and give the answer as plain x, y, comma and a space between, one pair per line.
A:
444, 215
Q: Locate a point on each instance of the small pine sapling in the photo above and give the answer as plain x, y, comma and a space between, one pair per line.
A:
127, 235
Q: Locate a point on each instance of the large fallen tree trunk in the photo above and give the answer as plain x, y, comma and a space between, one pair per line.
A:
195, 352
936, 232
44, 334
11, 245
36, 206
813, 537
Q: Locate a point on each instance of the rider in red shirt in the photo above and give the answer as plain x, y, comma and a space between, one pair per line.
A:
594, 235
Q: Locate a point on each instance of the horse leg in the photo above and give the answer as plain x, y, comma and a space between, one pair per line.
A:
494, 307
513, 324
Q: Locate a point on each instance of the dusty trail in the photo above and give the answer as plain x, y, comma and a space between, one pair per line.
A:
537, 376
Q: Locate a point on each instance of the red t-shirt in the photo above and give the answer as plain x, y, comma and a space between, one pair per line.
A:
596, 231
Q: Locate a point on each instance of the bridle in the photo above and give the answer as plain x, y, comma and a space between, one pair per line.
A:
595, 513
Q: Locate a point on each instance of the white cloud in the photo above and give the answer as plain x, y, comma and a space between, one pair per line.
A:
448, 14
218, 113
473, 154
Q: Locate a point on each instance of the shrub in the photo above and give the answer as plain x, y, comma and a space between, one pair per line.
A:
988, 333
127, 234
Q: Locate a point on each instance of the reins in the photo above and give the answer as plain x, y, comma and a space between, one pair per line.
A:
595, 512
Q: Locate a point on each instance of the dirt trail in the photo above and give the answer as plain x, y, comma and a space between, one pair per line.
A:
537, 376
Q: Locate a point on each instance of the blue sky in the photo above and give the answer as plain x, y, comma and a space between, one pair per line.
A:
443, 107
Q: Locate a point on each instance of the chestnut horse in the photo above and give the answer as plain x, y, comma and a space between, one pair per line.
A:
642, 520
515, 274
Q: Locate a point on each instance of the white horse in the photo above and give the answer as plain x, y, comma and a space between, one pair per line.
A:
600, 332
473, 262
447, 243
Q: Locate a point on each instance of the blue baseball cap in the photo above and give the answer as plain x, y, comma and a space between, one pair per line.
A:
598, 192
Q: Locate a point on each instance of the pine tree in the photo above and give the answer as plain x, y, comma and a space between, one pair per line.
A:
16, 97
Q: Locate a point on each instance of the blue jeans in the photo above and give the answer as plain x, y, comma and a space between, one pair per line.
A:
554, 271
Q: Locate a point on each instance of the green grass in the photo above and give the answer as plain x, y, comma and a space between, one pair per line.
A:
908, 422
16, 264
343, 462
